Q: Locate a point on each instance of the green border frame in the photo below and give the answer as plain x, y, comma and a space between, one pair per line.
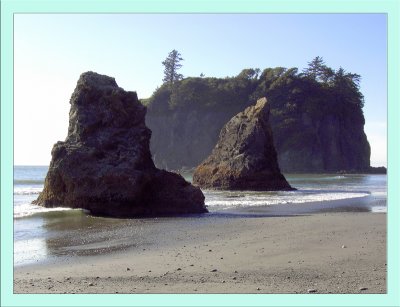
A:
11, 7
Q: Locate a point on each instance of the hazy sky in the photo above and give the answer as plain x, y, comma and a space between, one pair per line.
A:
52, 50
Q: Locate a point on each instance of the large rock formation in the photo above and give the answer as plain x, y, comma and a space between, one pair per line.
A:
105, 165
244, 157
316, 128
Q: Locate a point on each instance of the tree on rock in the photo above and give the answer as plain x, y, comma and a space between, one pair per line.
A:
318, 71
171, 66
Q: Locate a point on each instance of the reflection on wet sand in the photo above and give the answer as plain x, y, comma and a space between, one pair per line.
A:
80, 234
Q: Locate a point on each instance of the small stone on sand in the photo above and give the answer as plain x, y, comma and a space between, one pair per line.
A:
311, 290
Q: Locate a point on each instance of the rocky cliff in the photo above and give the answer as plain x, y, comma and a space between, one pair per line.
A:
184, 138
317, 126
244, 157
105, 165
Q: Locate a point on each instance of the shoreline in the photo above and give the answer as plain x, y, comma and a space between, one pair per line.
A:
329, 252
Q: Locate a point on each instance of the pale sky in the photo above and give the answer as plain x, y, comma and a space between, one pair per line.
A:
52, 50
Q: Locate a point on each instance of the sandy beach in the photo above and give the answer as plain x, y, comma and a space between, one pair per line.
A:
325, 252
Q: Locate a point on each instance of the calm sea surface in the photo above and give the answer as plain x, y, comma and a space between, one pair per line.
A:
45, 234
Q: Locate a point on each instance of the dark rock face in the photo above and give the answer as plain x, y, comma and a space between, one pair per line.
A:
244, 157
105, 165
183, 139
328, 144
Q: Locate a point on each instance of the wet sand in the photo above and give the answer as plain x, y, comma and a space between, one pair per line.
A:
325, 252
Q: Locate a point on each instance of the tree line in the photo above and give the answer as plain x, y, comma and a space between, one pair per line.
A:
317, 90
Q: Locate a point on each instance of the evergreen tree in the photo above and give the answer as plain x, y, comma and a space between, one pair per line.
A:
171, 67
347, 87
318, 71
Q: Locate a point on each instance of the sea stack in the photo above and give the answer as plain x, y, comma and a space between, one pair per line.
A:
105, 164
244, 157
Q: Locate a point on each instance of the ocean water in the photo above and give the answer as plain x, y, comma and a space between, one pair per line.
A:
311, 189
42, 234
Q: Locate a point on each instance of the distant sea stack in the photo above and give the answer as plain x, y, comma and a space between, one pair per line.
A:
105, 165
244, 157
318, 124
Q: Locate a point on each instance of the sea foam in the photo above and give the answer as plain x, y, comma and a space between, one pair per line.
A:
28, 209
221, 199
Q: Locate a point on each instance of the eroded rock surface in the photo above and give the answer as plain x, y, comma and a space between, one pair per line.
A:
105, 165
244, 157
